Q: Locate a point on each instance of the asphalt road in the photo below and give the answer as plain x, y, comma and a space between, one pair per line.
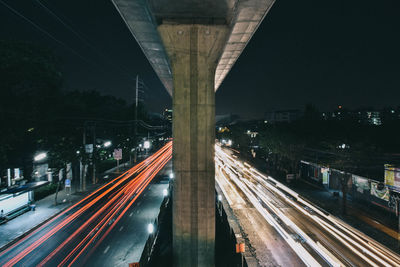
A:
316, 237
125, 244
76, 235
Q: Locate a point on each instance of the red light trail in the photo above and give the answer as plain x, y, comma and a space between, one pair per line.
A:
100, 212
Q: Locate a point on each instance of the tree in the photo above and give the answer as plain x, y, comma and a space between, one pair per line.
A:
38, 115
283, 140
29, 91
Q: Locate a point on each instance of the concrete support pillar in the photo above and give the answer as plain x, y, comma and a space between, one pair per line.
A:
193, 51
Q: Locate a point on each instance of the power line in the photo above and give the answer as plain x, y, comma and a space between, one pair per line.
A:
44, 31
39, 28
77, 121
82, 38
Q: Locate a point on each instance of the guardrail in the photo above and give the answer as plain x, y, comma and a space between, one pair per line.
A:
148, 249
228, 235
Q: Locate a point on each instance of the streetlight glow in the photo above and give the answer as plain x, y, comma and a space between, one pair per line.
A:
171, 175
107, 143
146, 144
150, 228
40, 156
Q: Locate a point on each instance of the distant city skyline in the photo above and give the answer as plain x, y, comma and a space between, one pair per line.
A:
344, 53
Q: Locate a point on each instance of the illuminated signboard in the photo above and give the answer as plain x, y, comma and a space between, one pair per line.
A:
382, 194
392, 177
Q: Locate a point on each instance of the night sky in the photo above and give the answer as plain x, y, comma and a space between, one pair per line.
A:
311, 51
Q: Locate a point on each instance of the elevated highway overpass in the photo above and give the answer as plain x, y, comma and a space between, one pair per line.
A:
192, 45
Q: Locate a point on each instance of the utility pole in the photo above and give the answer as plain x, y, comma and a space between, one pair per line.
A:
82, 173
397, 199
136, 116
94, 155
130, 144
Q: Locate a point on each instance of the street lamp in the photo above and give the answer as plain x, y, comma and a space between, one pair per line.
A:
219, 205
107, 144
150, 228
146, 144
165, 192
40, 156
171, 175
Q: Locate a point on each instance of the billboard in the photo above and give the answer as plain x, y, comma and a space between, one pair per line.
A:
40, 171
382, 194
392, 177
10, 203
117, 154
89, 148
69, 171
325, 175
361, 183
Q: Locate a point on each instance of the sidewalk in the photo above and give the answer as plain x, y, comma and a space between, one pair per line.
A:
45, 210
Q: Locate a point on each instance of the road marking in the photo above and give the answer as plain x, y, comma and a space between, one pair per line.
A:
130, 215
107, 248
120, 229
378, 225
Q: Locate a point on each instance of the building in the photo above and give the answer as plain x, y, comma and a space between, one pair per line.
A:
282, 116
369, 117
226, 119
390, 115
340, 114
366, 116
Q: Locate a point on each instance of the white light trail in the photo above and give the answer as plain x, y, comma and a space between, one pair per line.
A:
253, 184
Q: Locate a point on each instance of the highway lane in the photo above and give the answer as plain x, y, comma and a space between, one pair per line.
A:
319, 239
125, 243
269, 247
70, 237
